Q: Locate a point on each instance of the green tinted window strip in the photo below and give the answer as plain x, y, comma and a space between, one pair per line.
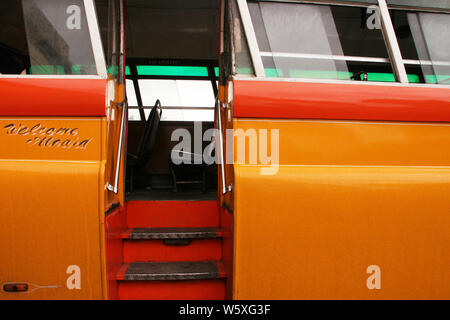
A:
434, 79
273, 73
76, 69
57, 70
339, 75
181, 71
389, 77
46, 70
413, 78
113, 70
244, 71
320, 74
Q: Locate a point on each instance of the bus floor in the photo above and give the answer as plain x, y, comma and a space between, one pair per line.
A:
168, 194
160, 187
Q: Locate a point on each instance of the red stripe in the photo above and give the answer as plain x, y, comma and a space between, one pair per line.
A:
297, 100
52, 97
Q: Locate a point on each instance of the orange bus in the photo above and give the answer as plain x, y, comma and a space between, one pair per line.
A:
224, 149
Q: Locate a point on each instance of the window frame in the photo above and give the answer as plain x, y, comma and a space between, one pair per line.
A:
132, 64
390, 39
97, 49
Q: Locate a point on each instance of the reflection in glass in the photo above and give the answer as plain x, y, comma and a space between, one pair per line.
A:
58, 37
319, 41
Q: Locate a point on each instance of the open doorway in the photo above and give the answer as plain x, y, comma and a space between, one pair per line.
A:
172, 50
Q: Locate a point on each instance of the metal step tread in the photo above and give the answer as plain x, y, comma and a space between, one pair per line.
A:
139, 271
172, 233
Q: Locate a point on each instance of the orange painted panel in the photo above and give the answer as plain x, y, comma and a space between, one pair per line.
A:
318, 229
50, 221
354, 143
52, 209
347, 196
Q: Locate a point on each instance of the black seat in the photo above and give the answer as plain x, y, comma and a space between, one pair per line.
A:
137, 163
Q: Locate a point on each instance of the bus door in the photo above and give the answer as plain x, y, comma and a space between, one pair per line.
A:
60, 127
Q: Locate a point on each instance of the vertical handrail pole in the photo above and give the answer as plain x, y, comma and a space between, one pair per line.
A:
115, 188
220, 146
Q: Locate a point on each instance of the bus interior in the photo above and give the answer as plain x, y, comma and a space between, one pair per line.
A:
171, 83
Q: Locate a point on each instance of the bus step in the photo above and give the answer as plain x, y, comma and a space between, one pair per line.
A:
172, 214
172, 233
209, 289
144, 271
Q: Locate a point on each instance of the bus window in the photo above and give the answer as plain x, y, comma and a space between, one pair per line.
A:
48, 37
424, 40
58, 37
176, 95
242, 62
188, 96
133, 112
14, 57
320, 41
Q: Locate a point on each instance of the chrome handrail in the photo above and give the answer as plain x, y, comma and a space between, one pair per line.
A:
115, 188
225, 189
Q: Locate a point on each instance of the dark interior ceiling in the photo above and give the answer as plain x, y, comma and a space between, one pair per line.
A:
173, 29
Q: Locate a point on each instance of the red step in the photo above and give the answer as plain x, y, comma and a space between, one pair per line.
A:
171, 271
156, 250
172, 214
172, 244
171, 250
212, 289
171, 233
172, 280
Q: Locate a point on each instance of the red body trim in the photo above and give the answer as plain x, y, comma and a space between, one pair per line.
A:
52, 97
298, 100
